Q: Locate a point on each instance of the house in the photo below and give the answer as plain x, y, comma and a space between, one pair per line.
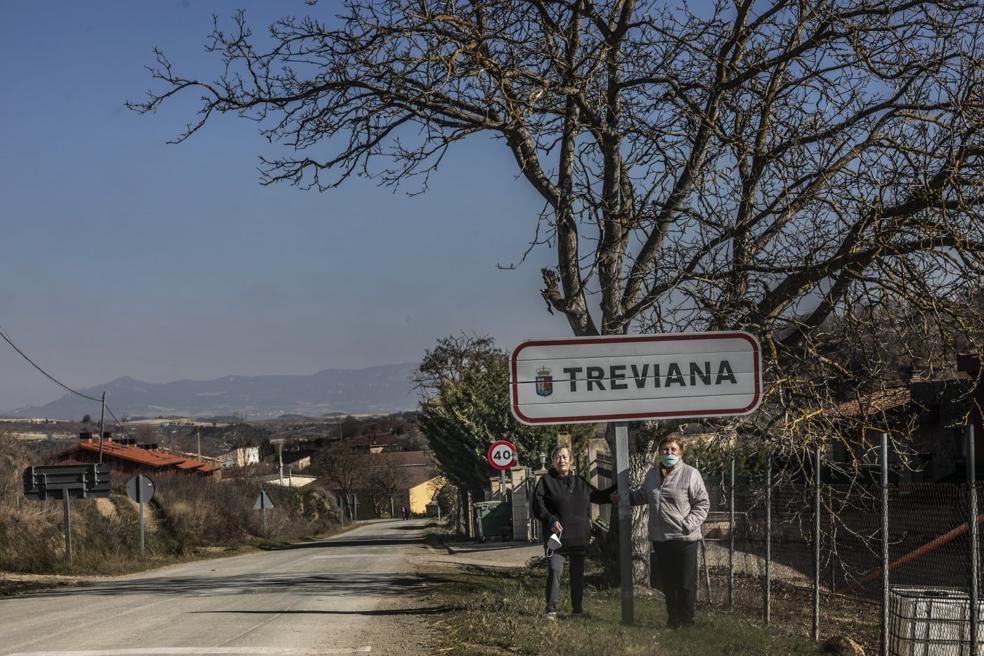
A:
422, 494
241, 457
297, 460
929, 417
379, 443
127, 457
412, 476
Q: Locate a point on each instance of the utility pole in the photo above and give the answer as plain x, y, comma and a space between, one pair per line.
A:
198, 433
102, 426
280, 459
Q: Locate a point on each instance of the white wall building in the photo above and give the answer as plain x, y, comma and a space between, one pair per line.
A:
241, 457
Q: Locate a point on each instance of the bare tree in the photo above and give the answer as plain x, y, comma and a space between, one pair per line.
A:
796, 169
344, 470
383, 482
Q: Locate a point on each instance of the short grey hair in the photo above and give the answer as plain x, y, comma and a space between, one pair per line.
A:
557, 449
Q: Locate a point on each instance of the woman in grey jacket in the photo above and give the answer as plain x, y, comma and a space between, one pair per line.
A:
678, 505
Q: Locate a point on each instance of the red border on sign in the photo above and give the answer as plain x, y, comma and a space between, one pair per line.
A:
611, 339
511, 446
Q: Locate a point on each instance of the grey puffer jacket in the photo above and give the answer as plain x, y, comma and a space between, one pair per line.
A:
678, 505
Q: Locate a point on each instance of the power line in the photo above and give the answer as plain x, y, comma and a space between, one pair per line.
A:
47, 375
7, 339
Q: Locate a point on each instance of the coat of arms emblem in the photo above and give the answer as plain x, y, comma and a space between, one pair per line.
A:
544, 382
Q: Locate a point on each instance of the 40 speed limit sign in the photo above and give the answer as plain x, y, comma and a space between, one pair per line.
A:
502, 455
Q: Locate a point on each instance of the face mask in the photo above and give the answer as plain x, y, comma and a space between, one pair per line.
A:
669, 460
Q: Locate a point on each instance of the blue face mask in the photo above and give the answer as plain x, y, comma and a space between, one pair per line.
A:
669, 460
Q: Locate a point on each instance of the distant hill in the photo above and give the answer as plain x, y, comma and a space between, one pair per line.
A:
381, 389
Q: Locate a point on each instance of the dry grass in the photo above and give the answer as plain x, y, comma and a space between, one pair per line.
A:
501, 611
189, 517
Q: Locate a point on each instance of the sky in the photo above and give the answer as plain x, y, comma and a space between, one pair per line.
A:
126, 256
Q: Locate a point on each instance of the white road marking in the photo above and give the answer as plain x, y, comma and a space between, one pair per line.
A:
374, 557
202, 651
339, 556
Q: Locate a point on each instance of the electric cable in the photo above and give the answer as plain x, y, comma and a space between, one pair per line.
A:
47, 375
14, 346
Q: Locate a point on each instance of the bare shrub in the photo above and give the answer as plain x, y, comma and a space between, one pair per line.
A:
199, 512
29, 531
190, 511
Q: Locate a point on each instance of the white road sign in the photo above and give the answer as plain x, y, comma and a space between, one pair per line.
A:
263, 502
634, 377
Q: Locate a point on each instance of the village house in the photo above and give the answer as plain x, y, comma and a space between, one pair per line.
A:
125, 456
928, 418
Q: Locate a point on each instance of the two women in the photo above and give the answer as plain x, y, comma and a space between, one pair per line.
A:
562, 502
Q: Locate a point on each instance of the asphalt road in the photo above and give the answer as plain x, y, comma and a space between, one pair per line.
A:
352, 594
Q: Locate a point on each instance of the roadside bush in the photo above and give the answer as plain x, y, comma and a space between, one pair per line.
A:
204, 512
189, 513
32, 537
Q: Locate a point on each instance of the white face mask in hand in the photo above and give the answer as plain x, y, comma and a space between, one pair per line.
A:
553, 543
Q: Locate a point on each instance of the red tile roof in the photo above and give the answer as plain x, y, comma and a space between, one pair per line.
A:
151, 458
875, 402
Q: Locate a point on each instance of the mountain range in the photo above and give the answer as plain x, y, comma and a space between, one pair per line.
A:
381, 389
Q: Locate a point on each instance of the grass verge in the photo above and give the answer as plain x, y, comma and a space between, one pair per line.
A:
14, 583
495, 611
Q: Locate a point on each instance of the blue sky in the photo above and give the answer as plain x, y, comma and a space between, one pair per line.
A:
123, 255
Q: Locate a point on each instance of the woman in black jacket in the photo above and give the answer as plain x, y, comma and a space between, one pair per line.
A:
562, 502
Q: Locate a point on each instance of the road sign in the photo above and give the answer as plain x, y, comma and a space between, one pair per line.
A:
635, 377
65, 482
140, 488
502, 455
263, 501
56, 481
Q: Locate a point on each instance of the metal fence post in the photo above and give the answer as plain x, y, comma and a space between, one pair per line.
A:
832, 540
816, 545
884, 544
768, 540
731, 535
972, 481
68, 527
707, 571
700, 546
703, 556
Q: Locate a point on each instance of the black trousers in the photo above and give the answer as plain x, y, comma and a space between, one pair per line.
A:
673, 569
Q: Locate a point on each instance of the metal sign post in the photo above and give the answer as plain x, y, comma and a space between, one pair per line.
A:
263, 503
67, 523
140, 489
624, 520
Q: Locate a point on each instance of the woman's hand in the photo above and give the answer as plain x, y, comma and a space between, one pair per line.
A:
557, 528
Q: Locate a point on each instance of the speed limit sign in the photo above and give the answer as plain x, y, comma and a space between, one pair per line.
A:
502, 455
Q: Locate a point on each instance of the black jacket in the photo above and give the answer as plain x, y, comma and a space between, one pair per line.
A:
567, 499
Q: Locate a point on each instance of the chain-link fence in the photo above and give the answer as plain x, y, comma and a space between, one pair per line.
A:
782, 548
